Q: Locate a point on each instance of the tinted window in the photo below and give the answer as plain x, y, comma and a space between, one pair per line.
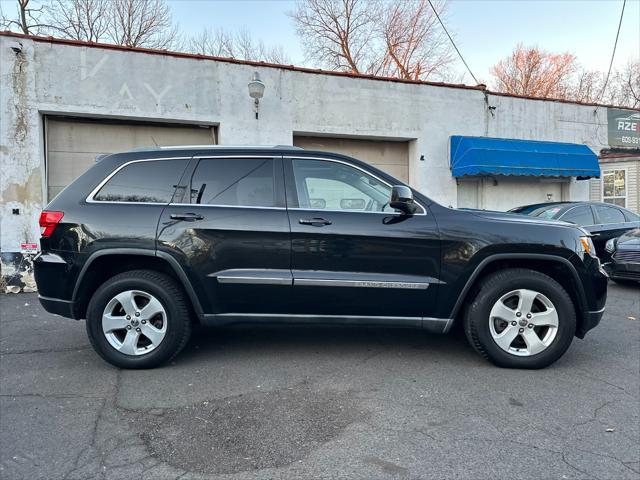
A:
148, 181
579, 215
609, 214
245, 182
325, 185
631, 217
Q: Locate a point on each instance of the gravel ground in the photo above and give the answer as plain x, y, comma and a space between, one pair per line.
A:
303, 402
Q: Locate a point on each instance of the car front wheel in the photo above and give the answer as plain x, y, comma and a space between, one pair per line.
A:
520, 318
138, 319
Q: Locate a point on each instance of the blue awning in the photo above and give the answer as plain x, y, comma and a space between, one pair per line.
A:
505, 156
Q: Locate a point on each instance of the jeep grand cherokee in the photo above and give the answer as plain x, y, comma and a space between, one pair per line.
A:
147, 242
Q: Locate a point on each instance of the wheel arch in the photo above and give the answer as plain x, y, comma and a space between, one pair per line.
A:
104, 264
558, 268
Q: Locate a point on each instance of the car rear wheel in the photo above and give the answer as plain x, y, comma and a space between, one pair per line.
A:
520, 318
138, 319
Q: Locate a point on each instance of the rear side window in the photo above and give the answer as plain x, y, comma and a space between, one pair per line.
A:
609, 214
237, 182
631, 217
579, 215
145, 182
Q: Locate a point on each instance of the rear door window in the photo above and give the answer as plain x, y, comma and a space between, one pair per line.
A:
237, 182
609, 214
148, 181
581, 215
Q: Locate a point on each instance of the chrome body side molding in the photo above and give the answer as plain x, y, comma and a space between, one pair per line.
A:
320, 279
254, 276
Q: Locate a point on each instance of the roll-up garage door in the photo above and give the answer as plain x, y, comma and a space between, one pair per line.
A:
73, 144
389, 156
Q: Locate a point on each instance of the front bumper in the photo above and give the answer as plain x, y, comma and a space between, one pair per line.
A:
590, 320
623, 271
594, 281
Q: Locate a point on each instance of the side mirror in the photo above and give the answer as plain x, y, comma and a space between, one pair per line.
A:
402, 199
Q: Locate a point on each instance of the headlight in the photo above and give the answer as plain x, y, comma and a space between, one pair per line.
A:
610, 246
585, 246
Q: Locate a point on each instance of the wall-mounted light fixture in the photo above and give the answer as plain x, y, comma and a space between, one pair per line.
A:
256, 91
16, 47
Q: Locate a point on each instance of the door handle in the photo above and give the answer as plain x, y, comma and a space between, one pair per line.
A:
316, 222
189, 217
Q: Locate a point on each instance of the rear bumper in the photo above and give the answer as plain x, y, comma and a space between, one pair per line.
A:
52, 273
57, 306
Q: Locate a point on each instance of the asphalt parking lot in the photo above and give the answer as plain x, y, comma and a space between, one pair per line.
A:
289, 403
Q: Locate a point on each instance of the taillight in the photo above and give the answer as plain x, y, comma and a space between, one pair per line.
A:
49, 221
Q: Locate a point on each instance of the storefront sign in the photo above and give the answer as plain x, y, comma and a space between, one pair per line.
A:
624, 128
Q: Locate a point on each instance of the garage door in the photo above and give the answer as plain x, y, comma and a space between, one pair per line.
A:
390, 157
72, 145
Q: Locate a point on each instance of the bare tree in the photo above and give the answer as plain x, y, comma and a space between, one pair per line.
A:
534, 72
240, 45
141, 23
416, 47
398, 38
27, 19
79, 19
338, 33
586, 86
624, 88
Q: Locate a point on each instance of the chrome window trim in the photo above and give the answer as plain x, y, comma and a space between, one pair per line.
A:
90, 198
225, 206
296, 157
300, 209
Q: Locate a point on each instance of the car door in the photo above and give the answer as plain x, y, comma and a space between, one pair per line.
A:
351, 255
610, 223
230, 231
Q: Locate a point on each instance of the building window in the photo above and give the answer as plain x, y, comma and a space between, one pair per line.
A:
614, 187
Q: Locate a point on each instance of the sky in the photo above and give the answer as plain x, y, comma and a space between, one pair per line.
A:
485, 31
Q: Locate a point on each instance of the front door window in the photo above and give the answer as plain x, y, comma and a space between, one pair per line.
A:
333, 186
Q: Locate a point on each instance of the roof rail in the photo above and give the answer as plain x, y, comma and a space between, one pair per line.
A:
216, 147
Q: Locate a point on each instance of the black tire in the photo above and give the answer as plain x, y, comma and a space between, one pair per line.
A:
172, 298
493, 287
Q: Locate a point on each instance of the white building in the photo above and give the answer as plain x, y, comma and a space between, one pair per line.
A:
63, 102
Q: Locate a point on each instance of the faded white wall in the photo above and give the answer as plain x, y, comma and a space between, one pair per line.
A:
78, 80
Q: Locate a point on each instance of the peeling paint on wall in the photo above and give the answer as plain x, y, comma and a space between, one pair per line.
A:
17, 273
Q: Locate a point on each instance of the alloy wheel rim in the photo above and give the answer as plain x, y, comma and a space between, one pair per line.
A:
523, 322
134, 322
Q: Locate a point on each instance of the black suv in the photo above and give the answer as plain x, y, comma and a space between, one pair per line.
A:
147, 242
